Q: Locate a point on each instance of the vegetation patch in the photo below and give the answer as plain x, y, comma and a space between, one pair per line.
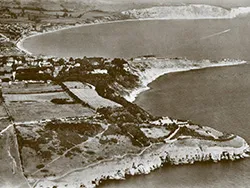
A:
62, 101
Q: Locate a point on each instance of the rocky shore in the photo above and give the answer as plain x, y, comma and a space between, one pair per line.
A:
192, 11
149, 69
176, 151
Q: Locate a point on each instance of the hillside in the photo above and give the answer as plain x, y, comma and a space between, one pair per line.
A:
187, 12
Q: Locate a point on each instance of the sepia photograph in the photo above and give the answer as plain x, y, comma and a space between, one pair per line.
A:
124, 93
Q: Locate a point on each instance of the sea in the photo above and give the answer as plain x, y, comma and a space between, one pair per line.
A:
217, 97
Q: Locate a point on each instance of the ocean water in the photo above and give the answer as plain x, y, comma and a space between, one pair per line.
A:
194, 39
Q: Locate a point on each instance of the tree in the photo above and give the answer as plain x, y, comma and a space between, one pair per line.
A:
61, 61
65, 14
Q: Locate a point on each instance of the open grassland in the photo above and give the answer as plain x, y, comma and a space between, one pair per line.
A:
87, 142
4, 122
45, 148
3, 112
46, 110
50, 142
10, 171
4, 117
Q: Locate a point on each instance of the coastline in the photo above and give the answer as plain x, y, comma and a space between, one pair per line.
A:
149, 159
150, 75
233, 13
19, 42
147, 79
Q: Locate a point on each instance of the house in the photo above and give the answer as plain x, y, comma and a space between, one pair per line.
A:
10, 61
99, 71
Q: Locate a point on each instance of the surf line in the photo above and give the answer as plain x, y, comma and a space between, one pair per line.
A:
215, 34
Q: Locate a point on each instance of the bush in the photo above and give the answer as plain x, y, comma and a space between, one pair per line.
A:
90, 152
62, 101
135, 134
35, 76
82, 128
40, 166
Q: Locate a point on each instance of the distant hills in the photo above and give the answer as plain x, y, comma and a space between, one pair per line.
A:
106, 5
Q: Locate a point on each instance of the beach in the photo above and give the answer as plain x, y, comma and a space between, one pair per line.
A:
216, 13
163, 66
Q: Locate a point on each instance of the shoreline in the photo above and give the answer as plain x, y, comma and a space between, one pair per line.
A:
19, 42
149, 76
236, 12
149, 159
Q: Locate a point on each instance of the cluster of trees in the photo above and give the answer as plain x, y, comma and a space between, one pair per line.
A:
6, 11
62, 101
124, 123
33, 74
34, 18
106, 84
83, 128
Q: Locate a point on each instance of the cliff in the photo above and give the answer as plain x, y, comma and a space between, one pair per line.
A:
149, 69
178, 148
193, 11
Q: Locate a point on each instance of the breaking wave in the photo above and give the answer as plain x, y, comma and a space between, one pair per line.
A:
187, 12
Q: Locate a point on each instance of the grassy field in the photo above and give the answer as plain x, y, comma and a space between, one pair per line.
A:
29, 102
10, 171
39, 97
2, 112
21, 87
89, 95
46, 110
45, 149
4, 118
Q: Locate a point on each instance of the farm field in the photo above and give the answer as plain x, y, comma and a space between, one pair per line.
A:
46, 110
28, 88
87, 94
39, 97
32, 102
